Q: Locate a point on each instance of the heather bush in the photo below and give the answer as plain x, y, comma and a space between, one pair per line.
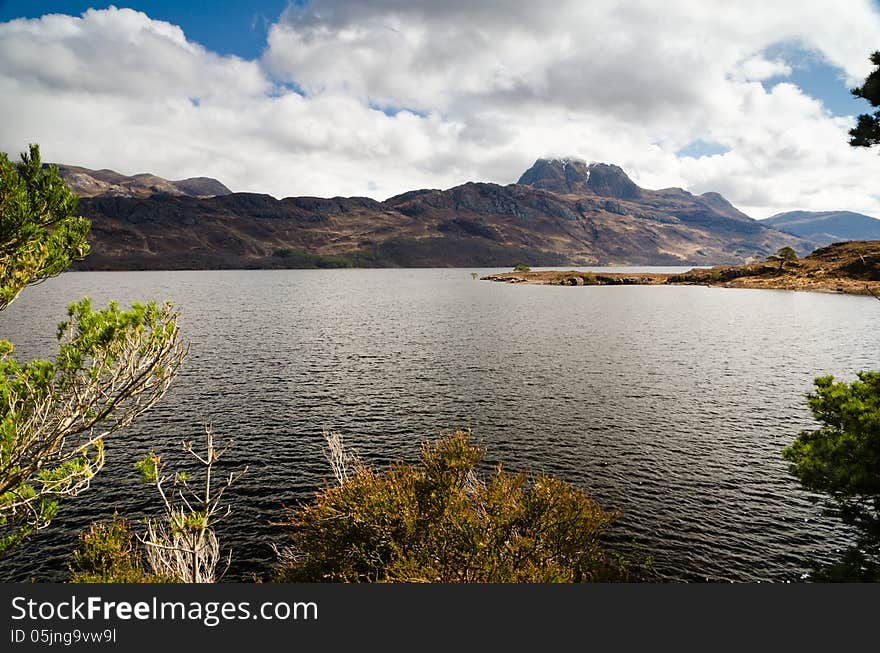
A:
440, 521
108, 553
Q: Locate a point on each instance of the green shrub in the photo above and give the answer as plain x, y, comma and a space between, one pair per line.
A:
521, 267
841, 459
108, 553
437, 521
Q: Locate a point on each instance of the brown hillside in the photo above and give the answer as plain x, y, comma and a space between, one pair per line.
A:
559, 213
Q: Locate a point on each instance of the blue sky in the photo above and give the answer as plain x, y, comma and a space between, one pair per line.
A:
236, 27
818, 79
334, 97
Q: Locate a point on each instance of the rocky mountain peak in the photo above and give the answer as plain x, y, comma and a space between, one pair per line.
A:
109, 183
610, 180
571, 175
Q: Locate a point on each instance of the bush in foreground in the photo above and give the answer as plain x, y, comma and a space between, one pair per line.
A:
179, 547
841, 459
108, 553
437, 521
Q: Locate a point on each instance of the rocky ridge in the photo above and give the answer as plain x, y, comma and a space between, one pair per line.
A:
109, 183
560, 212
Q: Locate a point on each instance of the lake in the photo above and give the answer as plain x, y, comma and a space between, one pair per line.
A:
669, 404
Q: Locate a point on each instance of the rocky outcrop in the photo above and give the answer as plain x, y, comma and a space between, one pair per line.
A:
852, 267
574, 176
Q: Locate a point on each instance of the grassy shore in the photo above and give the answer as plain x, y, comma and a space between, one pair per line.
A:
851, 267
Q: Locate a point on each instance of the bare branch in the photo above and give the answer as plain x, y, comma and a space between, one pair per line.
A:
62, 425
185, 546
342, 462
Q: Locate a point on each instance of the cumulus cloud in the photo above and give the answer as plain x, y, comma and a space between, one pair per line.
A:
380, 97
115, 89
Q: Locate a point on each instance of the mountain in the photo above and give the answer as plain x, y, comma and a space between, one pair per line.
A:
826, 227
561, 212
108, 183
569, 176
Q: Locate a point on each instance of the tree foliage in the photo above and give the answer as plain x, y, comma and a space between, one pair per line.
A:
110, 367
842, 459
787, 254
866, 133
40, 234
783, 255
438, 521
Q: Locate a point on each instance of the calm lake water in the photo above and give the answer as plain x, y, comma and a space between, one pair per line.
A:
669, 404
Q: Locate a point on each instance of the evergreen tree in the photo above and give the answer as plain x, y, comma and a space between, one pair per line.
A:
866, 133
842, 460
111, 364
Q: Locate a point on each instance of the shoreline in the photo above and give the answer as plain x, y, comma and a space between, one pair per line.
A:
785, 280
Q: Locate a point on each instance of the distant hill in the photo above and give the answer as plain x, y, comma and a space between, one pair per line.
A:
562, 211
108, 183
826, 227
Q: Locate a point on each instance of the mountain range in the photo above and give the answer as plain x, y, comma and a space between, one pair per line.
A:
560, 212
826, 227
93, 183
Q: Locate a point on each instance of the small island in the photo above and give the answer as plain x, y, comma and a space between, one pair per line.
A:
851, 267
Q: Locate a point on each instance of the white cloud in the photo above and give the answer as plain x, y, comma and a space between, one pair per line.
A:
468, 93
757, 68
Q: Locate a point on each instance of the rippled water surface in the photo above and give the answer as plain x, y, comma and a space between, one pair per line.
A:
670, 404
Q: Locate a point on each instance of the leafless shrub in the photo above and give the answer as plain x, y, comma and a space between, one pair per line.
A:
185, 546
